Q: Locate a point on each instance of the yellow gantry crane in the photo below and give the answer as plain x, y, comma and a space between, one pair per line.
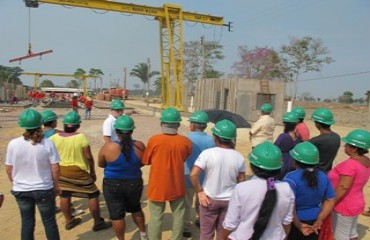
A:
37, 76
170, 18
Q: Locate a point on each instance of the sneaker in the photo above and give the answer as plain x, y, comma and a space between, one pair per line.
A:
186, 234
143, 236
73, 223
77, 212
101, 225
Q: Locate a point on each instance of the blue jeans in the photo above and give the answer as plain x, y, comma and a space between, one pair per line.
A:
87, 113
45, 201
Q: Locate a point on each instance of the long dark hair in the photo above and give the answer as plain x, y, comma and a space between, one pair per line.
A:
125, 139
70, 128
309, 174
268, 203
289, 127
35, 135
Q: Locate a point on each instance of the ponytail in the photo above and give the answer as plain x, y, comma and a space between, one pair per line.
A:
35, 135
309, 174
126, 143
268, 203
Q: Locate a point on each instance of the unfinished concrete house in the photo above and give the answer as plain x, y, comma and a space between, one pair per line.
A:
241, 96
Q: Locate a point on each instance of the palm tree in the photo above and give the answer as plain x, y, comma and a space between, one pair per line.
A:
97, 73
141, 71
79, 73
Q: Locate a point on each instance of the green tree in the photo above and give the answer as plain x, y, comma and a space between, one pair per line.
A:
141, 71
98, 73
303, 55
193, 60
47, 83
346, 97
158, 86
73, 84
78, 75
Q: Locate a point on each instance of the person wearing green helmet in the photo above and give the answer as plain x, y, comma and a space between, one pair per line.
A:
78, 177
262, 207
315, 197
349, 179
301, 128
328, 142
166, 154
32, 166
224, 167
123, 183
288, 140
50, 123
116, 110
200, 141
263, 129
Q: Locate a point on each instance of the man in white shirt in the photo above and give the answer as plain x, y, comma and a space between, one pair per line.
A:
263, 129
109, 133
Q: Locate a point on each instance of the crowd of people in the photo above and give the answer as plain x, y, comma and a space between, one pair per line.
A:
296, 191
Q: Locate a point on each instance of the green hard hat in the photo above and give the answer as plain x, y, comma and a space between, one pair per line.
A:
266, 107
199, 117
225, 129
266, 156
49, 116
323, 115
305, 152
299, 111
170, 115
72, 118
125, 123
30, 119
117, 104
358, 138
290, 117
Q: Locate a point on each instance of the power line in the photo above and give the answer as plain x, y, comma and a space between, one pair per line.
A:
336, 76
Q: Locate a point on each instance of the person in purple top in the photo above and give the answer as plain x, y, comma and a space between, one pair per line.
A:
287, 141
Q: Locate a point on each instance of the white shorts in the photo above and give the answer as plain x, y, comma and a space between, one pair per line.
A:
344, 227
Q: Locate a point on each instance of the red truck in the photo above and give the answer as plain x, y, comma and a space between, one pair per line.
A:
118, 93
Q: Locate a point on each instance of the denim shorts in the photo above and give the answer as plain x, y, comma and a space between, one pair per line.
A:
122, 195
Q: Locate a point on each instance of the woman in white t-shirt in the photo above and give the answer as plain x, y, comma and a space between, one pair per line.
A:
261, 208
32, 165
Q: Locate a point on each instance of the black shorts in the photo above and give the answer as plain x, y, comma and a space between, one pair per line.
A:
121, 196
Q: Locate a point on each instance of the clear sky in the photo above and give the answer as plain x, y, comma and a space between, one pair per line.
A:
110, 41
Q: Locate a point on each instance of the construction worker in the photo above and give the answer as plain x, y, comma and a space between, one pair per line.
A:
301, 127
200, 141
166, 154
328, 142
116, 110
224, 167
263, 129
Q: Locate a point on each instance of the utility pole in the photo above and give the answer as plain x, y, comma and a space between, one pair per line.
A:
148, 82
203, 50
124, 78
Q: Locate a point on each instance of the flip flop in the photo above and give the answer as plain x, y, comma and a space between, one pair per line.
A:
101, 225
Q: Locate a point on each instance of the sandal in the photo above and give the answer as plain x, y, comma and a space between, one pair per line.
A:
366, 213
101, 225
73, 223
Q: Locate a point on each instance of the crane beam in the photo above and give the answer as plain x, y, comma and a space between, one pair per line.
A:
37, 76
170, 19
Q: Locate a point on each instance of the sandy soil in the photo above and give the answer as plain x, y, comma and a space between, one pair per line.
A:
147, 124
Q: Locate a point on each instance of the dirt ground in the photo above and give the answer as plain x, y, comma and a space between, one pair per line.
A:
147, 124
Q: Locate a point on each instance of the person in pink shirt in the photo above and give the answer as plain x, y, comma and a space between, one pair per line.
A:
301, 127
349, 179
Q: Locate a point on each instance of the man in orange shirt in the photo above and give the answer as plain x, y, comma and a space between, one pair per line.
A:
166, 153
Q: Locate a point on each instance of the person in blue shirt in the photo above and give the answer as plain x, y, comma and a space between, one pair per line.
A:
200, 141
315, 197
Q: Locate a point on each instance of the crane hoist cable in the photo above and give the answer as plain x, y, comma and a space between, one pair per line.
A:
30, 54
